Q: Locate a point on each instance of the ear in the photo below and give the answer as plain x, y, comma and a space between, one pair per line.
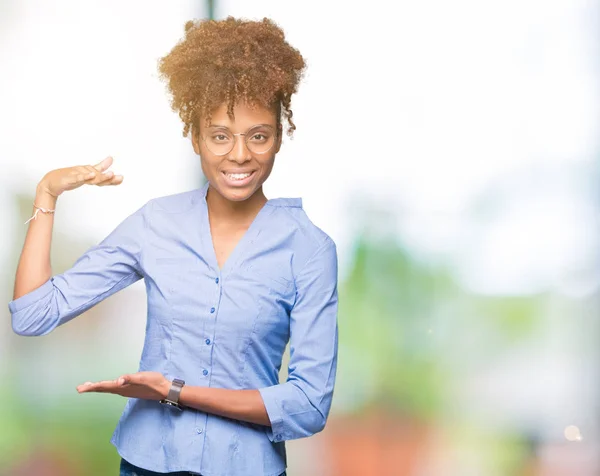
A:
195, 140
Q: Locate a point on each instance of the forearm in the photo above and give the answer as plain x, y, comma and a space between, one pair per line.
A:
34, 267
245, 405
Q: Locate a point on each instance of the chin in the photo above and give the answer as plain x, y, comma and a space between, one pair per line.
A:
234, 194
237, 195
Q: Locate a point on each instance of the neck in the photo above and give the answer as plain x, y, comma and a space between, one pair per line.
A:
222, 209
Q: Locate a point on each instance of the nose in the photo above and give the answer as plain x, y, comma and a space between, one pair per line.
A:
240, 152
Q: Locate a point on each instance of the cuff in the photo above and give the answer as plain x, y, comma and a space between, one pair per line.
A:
269, 396
31, 297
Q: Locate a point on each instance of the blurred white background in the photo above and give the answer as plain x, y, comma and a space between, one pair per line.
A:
467, 131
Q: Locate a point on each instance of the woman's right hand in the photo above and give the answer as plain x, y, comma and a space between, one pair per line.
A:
58, 181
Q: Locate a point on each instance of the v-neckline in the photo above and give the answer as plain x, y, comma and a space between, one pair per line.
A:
237, 252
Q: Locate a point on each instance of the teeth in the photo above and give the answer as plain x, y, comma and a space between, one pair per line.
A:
238, 176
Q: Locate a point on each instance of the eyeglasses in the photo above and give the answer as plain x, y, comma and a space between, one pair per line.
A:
259, 139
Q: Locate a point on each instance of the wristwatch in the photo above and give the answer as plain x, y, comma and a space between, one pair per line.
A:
172, 399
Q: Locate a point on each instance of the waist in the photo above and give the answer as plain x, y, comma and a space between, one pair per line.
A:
152, 436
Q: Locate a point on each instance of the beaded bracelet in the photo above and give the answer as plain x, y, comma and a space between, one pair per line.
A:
39, 209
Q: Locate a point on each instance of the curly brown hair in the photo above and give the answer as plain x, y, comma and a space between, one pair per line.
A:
227, 61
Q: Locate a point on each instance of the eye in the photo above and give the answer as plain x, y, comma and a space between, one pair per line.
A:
220, 137
258, 136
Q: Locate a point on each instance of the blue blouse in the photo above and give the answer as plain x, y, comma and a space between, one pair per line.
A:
223, 328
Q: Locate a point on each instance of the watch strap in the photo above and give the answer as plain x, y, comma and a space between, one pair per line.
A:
175, 390
172, 399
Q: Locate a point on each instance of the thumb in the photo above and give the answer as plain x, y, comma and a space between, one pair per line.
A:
105, 164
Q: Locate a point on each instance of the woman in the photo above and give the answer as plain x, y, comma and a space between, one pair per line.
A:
231, 277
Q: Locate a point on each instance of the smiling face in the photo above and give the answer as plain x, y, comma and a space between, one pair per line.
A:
237, 174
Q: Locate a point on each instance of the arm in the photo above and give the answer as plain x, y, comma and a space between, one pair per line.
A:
246, 405
300, 406
34, 266
100, 272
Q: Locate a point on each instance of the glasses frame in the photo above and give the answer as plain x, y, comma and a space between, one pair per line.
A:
245, 134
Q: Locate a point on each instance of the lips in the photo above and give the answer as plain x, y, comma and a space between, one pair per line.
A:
237, 178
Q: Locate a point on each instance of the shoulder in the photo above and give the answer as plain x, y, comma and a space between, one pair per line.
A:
175, 203
168, 211
288, 213
308, 240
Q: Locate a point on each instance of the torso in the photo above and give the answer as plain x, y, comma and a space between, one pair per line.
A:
227, 233
223, 328
225, 239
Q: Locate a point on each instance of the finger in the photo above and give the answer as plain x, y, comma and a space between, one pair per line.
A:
131, 379
116, 180
124, 380
104, 164
103, 387
85, 171
104, 178
93, 173
80, 177
103, 384
98, 177
83, 175
84, 387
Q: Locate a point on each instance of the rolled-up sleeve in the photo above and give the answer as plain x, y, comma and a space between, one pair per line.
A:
101, 271
300, 406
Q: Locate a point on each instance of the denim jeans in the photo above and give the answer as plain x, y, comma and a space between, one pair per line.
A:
127, 469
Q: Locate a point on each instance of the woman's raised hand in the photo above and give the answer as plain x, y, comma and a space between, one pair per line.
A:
58, 181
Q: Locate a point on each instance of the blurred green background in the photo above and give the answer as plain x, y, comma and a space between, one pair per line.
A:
450, 150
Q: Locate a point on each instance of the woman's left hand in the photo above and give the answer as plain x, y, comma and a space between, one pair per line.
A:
146, 385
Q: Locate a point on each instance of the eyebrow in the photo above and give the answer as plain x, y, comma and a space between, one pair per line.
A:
225, 127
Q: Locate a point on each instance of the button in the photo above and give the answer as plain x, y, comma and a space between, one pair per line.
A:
277, 437
207, 341
199, 431
205, 372
217, 280
212, 309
